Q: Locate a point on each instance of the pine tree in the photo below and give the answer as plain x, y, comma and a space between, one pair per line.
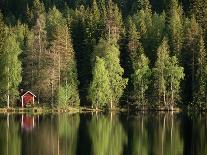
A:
138, 5
189, 57
201, 73
199, 10
2, 32
155, 35
113, 23
175, 27
37, 46
100, 89
64, 72
134, 46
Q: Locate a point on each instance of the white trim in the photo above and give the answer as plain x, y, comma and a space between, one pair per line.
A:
22, 101
28, 92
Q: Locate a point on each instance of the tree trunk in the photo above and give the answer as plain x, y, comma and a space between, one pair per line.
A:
172, 94
164, 97
39, 60
193, 74
142, 93
111, 104
8, 91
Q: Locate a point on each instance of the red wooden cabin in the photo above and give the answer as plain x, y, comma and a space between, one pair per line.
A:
27, 98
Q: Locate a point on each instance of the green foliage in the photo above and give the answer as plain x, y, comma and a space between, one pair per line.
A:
175, 28
175, 74
167, 75
10, 69
141, 78
199, 9
64, 72
100, 90
61, 39
110, 53
201, 73
54, 20
113, 23
189, 57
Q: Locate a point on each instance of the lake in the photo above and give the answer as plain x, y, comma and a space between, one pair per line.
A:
103, 134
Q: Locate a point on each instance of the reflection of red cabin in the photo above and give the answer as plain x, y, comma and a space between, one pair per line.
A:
27, 98
27, 122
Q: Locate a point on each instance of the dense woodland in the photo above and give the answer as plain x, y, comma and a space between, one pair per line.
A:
104, 53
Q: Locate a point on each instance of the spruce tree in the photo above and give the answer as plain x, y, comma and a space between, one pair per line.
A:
64, 72
201, 73
39, 53
140, 65
199, 10
175, 27
189, 57
113, 23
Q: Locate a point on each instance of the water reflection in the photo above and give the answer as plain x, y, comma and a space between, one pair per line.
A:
107, 135
10, 139
27, 122
99, 134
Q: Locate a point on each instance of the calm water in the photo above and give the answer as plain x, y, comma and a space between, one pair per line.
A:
98, 134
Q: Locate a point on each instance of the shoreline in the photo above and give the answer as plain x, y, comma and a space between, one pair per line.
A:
72, 110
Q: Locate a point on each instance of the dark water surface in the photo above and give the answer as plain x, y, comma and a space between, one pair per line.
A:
109, 134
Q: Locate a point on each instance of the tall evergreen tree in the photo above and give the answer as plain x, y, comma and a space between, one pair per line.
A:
37, 46
189, 57
201, 73
64, 72
199, 9
140, 64
113, 23
175, 27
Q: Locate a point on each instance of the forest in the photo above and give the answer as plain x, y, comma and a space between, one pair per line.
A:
104, 53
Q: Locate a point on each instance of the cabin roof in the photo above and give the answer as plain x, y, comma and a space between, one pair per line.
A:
29, 93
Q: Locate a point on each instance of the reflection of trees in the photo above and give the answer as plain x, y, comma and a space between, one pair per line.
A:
10, 141
199, 135
54, 135
68, 133
140, 137
157, 134
107, 135
42, 140
167, 138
